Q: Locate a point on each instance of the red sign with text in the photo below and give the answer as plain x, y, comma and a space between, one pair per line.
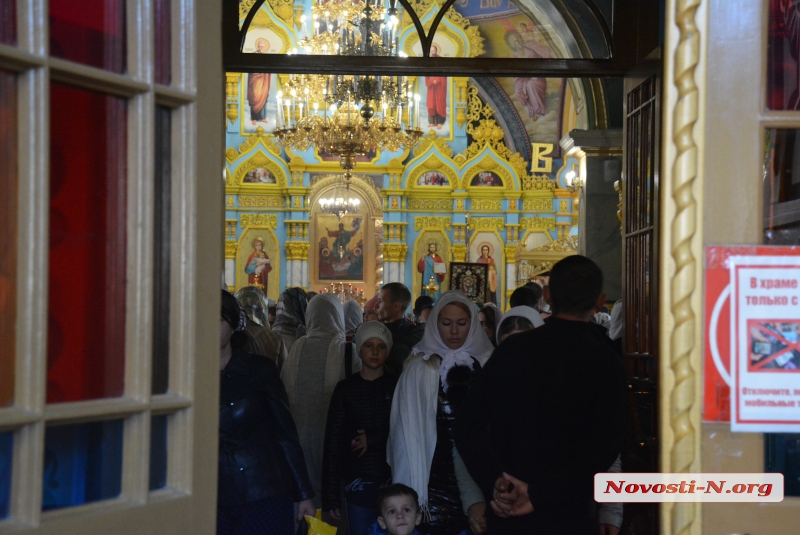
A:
717, 376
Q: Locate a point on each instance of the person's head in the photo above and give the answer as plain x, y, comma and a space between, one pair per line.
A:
258, 245
488, 316
232, 322
424, 314
393, 300
310, 295
485, 251
341, 226
526, 296
353, 316
398, 509
513, 325
373, 343
370, 315
271, 312
422, 308
453, 322
517, 320
432, 248
435, 50
514, 40
262, 45
576, 287
325, 314
254, 303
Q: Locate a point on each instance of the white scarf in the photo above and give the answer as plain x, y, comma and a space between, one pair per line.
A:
412, 436
523, 311
325, 322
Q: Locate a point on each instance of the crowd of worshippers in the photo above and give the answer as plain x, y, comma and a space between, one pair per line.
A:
454, 420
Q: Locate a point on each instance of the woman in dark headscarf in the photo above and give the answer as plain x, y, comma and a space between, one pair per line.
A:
262, 470
290, 321
262, 340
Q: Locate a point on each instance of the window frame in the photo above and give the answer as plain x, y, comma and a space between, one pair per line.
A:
190, 494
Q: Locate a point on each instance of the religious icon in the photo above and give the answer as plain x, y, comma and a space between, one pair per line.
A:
436, 98
341, 251
258, 87
432, 178
258, 265
486, 258
432, 267
486, 178
259, 175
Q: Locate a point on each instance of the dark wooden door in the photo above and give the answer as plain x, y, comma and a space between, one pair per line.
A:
640, 288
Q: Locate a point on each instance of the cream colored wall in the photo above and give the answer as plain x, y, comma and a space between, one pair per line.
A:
732, 215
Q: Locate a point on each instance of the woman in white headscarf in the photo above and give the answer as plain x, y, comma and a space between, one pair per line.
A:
517, 320
436, 378
353, 317
314, 366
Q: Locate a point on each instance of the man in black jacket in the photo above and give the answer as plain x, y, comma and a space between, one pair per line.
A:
548, 409
393, 300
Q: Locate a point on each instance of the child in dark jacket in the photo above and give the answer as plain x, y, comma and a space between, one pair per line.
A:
357, 431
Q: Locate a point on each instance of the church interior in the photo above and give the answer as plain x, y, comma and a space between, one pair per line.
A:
441, 144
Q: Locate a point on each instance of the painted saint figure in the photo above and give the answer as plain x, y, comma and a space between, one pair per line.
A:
427, 266
258, 266
258, 87
486, 258
343, 237
436, 99
531, 92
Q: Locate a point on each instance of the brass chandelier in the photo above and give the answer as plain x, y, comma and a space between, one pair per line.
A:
349, 116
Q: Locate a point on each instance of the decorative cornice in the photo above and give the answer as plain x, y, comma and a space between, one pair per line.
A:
432, 222
486, 223
259, 220
459, 251
261, 201
432, 139
537, 205
511, 252
561, 245
296, 250
394, 252
541, 182
415, 203
537, 223
493, 205
230, 248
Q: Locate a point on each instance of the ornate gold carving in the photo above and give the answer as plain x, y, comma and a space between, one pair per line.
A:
459, 204
461, 92
430, 204
296, 250
487, 204
229, 201
485, 132
230, 248
533, 205
232, 95
563, 206
512, 204
538, 182
619, 187
511, 252
459, 252
537, 223
681, 410
261, 201
433, 163
259, 220
298, 201
561, 245
486, 223
258, 159
394, 252
283, 9
432, 222
394, 203
432, 139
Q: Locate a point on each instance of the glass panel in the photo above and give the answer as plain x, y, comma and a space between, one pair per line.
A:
8, 234
158, 452
6, 454
163, 31
86, 297
89, 31
782, 187
82, 463
782, 454
489, 28
161, 267
8, 22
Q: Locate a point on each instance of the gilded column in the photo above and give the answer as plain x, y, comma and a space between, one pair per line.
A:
297, 263
511, 269
394, 259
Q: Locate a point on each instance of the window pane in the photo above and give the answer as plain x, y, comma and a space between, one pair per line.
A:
89, 31
158, 452
6, 450
782, 188
86, 297
163, 22
8, 233
82, 463
8, 22
163, 153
